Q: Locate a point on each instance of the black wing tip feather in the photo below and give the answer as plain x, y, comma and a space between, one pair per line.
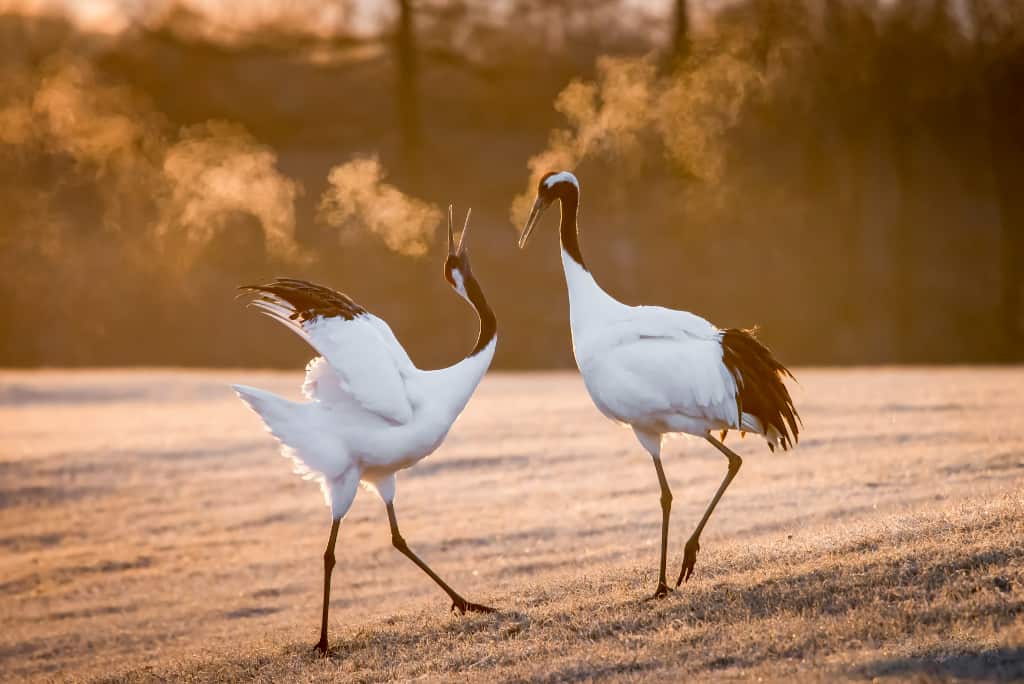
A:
307, 300
761, 391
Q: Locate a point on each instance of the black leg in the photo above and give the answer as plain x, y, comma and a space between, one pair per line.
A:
693, 544
666, 509
458, 603
321, 646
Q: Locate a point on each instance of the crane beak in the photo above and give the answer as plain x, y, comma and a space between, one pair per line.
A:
459, 249
465, 230
538, 209
451, 234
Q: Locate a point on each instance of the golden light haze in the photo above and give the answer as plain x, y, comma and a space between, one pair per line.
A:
357, 196
186, 184
845, 175
830, 171
630, 104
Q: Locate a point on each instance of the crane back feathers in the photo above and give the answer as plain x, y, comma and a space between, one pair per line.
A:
760, 390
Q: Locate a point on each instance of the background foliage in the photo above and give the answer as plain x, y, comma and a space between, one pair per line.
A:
844, 173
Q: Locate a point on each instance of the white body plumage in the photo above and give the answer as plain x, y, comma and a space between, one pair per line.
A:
370, 413
662, 371
655, 369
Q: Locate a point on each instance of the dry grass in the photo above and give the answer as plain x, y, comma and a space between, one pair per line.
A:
150, 532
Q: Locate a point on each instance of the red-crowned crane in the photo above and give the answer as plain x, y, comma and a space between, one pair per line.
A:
370, 411
662, 371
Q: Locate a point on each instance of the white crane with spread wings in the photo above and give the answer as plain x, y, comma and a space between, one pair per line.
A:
370, 411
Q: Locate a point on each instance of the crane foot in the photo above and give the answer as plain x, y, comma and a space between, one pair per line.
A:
462, 605
662, 591
689, 560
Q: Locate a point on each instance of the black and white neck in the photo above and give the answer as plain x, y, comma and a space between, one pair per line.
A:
469, 289
566, 188
588, 303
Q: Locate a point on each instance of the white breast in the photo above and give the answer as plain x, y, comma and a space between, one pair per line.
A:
650, 367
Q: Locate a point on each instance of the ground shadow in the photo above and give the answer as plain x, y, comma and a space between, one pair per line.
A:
989, 665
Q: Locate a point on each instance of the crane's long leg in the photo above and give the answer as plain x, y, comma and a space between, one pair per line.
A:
666, 508
693, 544
458, 603
321, 646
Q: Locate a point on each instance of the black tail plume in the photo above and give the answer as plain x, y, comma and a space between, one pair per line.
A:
759, 376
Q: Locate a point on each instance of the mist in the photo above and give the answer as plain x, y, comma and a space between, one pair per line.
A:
631, 113
844, 174
154, 184
358, 199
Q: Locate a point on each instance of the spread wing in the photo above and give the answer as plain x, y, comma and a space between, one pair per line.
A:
369, 366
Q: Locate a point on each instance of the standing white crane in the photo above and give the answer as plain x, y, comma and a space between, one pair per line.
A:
370, 412
662, 371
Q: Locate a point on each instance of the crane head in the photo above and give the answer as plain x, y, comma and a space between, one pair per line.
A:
550, 187
456, 267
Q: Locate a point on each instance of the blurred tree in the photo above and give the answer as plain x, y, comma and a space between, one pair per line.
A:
680, 30
1006, 97
408, 95
868, 206
999, 48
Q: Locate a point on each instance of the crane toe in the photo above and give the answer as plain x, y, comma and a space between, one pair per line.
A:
321, 648
689, 560
464, 606
662, 591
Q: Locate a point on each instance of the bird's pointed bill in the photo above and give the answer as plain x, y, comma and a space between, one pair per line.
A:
465, 229
538, 209
451, 233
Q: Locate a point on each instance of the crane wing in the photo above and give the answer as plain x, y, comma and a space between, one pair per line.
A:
369, 366
634, 323
650, 379
651, 361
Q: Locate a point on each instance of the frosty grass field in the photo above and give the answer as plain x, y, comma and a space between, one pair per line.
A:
150, 531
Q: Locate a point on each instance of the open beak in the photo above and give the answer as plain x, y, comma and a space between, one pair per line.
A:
465, 231
460, 249
451, 234
538, 209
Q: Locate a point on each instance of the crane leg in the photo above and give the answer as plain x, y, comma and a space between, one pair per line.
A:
458, 603
321, 646
666, 509
693, 543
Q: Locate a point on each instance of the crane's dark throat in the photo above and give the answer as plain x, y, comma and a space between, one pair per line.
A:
568, 231
488, 322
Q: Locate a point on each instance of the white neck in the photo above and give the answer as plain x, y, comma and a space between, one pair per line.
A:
587, 301
460, 285
454, 385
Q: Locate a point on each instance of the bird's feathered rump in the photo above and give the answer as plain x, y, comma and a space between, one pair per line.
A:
296, 427
760, 390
